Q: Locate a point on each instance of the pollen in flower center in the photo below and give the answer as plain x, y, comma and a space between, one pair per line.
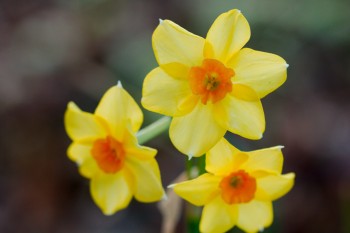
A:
211, 81
235, 181
238, 187
109, 154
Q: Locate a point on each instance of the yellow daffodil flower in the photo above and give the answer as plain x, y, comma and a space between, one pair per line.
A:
107, 152
238, 189
210, 85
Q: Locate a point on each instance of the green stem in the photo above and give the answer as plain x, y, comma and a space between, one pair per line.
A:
194, 168
189, 165
201, 165
153, 130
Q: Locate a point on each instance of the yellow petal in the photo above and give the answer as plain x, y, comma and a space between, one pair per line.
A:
224, 158
110, 192
272, 187
82, 126
88, 168
172, 43
255, 216
195, 133
199, 191
147, 185
228, 34
118, 108
218, 216
176, 70
263, 72
244, 92
270, 159
187, 105
245, 118
80, 153
132, 148
141, 152
164, 94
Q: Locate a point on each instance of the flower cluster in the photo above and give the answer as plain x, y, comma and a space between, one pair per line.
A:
208, 86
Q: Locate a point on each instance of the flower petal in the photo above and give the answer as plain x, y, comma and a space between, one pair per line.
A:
228, 34
272, 187
176, 70
132, 148
164, 94
145, 174
110, 192
218, 216
224, 158
245, 118
117, 107
269, 159
199, 191
141, 152
195, 133
80, 153
244, 92
89, 168
82, 126
263, 72
174, 44
255, 216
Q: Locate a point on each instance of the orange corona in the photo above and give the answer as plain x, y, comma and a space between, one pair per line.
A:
109, 154
211, 81
238, 187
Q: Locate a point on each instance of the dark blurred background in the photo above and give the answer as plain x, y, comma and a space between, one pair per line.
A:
54, 51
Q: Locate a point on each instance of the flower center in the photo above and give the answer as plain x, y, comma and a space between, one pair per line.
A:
238, 187
211, 81
109, 154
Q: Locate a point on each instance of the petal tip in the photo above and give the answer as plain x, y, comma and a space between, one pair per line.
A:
119, 84
164, 197
160, 21
71, 105
190, 156
287, 65
78, 163
107, 213
170, 186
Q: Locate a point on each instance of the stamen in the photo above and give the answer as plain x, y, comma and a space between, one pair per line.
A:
211, 81
238, 187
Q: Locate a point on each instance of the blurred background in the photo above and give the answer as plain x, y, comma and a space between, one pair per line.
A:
55, 51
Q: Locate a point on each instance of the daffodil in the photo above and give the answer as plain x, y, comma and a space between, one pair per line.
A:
106, 150
238, 189
212, 85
